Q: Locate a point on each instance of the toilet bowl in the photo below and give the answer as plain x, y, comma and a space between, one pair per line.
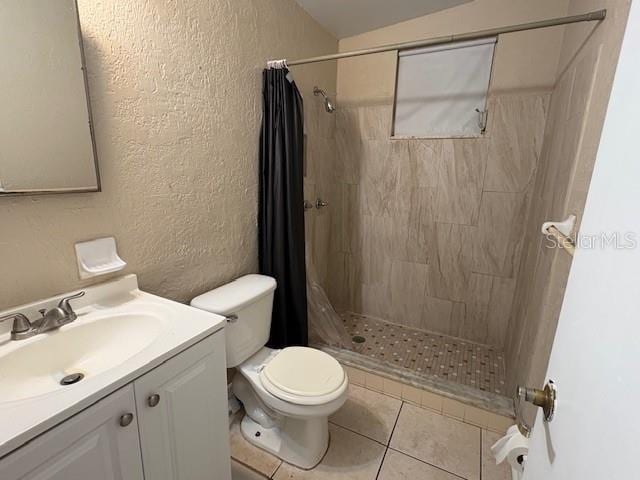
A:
288, 394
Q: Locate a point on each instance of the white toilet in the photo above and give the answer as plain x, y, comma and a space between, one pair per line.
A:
287, 394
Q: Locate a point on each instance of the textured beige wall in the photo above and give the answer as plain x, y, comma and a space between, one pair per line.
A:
175, 88
588, 59
431, 230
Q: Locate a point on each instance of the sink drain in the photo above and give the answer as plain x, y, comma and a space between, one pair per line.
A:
358, 339
72, 378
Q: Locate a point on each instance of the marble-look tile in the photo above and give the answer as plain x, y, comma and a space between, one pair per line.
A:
460, 181
425, 158
458, 315
378, 177
450, 269
453, 408
337, 289
356, 376
318, 123
309, 218
411, 394
250, 455
487, 310
441, 441
321, 159
499, 311
351, 222
436, 314
417, 165
515, 133
498, 242
377, 247
491, 471
353, 282
241, 472
348, 144
368, 413
321, 240
431, 401
376, 300
541, 280
350, 456
407, 285
398, 466
375, 120
475, 323
336, 212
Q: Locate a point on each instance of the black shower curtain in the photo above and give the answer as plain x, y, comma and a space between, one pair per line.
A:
281, 206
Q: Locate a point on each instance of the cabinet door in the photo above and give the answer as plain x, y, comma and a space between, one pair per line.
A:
182, 404
91, 445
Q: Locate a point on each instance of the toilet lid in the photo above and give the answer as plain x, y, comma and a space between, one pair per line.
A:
303, 372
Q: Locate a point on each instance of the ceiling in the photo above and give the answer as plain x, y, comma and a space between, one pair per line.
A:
345, 18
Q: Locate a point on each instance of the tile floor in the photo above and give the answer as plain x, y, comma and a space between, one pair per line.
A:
475, 365
379, 437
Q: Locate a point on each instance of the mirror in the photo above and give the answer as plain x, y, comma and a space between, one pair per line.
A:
46, 134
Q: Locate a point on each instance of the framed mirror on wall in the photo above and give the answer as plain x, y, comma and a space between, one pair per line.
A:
46, 132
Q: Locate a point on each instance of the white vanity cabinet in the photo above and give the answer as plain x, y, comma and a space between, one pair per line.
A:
183, 415
169, 424
92, 445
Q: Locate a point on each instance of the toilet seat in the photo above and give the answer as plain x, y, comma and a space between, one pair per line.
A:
304, 376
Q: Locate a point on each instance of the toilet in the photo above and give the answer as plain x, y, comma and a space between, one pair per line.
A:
288, 394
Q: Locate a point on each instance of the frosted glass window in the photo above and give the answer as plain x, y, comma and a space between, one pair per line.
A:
442, 91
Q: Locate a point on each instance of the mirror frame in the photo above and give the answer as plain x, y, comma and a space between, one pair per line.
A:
98, 187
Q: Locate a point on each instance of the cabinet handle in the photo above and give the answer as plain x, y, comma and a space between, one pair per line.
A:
153, 400
126, 419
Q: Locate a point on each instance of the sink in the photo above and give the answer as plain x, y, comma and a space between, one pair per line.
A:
90, 347
121, 333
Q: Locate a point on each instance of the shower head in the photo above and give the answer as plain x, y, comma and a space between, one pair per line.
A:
328, 104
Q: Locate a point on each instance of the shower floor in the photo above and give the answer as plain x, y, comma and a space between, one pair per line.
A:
426, 353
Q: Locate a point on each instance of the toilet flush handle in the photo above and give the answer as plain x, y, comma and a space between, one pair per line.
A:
232, 318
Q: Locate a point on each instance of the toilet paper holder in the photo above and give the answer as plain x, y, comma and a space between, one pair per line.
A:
546, 399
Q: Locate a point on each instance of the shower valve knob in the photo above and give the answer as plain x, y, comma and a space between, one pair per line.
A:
321, 203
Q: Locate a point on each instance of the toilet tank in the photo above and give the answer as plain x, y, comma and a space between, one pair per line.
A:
250, 299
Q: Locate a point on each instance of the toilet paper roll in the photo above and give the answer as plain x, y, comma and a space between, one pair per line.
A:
512, 430
515, 446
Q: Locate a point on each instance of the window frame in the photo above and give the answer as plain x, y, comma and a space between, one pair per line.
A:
482, 134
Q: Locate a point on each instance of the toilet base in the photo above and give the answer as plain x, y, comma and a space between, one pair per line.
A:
300, 442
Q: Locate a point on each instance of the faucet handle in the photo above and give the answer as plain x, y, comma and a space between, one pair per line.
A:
21, 324
64, 303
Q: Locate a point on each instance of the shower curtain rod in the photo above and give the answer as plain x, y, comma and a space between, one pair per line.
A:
597, 15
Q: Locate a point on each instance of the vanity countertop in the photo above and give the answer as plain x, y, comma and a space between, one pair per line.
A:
175, 327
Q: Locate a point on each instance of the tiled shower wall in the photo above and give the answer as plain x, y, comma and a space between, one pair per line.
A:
428, 233
319, 181
576, 115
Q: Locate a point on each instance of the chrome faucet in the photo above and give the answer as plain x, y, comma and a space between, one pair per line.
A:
51, 319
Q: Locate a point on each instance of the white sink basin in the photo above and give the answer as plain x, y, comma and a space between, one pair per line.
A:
120, 334
37, 367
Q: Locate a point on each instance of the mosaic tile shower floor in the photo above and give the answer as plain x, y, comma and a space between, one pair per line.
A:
475, 365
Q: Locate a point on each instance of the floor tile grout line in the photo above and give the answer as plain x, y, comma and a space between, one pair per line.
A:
273, 475
481, 451
395, 424
426, 463
382, 463
360, 434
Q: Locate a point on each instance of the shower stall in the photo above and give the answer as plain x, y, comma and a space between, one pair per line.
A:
425, 262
